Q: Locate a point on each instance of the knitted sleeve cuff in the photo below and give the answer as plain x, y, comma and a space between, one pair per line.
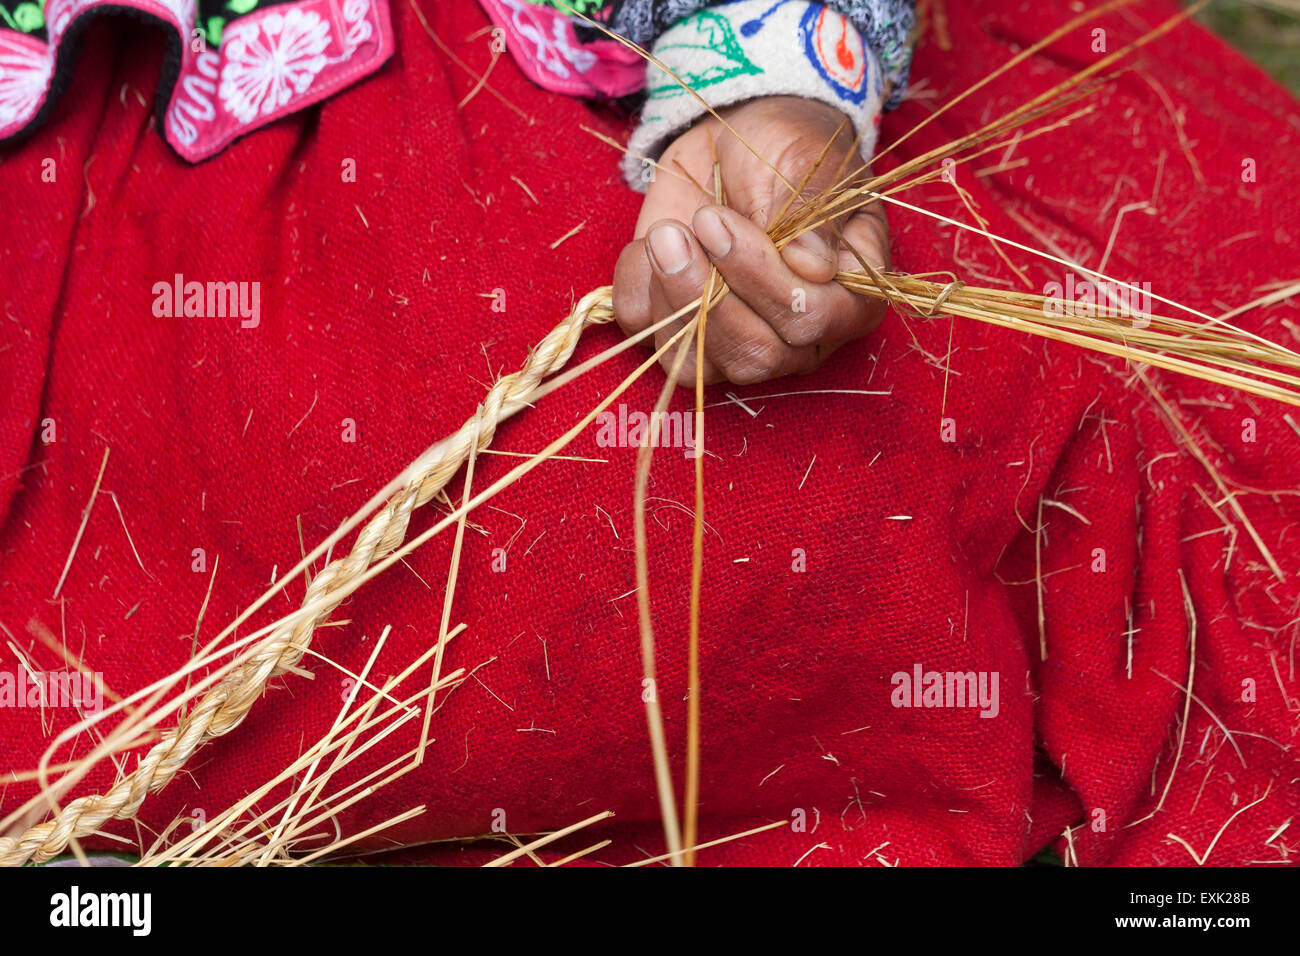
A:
737, 51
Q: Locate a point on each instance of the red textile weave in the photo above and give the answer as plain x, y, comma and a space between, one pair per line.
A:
373, 309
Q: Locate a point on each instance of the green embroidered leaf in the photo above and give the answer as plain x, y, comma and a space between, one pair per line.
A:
586, 7
215, 27
241, 6
28, 17
718, 53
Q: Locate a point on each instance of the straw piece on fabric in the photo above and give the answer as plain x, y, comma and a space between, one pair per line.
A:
224, 707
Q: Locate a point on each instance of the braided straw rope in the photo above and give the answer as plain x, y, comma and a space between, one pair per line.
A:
224, 707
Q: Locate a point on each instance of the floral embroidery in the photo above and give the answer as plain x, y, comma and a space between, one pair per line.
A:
355, 15
191, 107
26, 17
273, 58
58, 14
185, 11
266, 63
545, 44
25, 68
555, 53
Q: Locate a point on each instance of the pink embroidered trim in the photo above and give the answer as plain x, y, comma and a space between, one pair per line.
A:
546, 47
271, 62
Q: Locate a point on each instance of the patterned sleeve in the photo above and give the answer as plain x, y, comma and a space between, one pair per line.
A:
851, 54
737, 50
885, 25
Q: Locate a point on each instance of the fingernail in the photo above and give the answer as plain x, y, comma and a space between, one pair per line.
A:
669, 248
712, 233
814, 244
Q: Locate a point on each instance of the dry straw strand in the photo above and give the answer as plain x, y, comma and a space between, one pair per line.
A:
224, 707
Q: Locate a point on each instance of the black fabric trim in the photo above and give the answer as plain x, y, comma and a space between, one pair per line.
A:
70, 47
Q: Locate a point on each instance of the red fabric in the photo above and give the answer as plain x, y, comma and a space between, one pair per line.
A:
372, 309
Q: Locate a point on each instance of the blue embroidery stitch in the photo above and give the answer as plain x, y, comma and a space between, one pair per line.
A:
808, 26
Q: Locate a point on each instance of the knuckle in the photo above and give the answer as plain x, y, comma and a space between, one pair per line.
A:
798, 155
805, 319
802, 329
757, 362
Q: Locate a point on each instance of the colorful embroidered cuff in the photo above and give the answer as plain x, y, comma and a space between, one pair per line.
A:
229, 75
737, 51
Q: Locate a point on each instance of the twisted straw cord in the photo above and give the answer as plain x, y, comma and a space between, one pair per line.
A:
224, 707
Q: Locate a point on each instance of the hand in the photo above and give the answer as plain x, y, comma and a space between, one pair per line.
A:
756, 332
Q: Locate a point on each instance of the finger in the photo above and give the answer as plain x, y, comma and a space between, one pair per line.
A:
686, 374
631, 295
675, 261
800, 312
811, 257
864, 241
866, 233
864, 245
739, 345
673, 194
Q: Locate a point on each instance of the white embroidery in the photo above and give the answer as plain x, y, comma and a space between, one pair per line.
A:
59, 13
356, 14
553, 53
268, 61
186, 14
193, 102
25, 68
